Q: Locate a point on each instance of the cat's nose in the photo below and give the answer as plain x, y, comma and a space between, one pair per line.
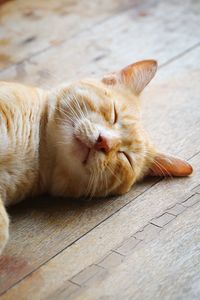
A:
102, 144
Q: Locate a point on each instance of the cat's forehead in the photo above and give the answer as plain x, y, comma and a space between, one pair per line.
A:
91, 88
97, 91
90, 92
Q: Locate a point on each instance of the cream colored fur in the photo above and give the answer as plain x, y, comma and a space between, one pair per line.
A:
84, 139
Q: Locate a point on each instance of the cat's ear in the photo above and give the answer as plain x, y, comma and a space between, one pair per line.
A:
165, 165
135, 76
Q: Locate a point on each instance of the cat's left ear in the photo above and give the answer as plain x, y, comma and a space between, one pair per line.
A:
135, 76
165, 165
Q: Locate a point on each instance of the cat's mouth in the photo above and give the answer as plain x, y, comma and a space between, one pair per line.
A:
87, 157
83, 150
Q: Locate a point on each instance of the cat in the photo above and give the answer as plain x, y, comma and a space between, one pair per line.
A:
79, 139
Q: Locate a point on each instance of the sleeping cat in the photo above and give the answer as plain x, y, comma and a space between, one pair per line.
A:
80, 139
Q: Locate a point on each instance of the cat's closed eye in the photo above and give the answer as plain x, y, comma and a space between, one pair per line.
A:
115, 115
127, 157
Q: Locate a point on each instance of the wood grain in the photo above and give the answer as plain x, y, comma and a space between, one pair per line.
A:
115, 43
42, 229
31, 27
78, 233
165, 268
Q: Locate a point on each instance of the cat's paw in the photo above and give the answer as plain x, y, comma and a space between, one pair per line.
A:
4, 232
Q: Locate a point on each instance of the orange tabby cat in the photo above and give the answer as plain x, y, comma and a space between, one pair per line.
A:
81, 139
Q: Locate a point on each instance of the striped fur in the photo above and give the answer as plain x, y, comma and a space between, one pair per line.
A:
48, 138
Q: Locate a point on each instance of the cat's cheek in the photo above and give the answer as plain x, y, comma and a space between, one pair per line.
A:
124, 188
129, 179
80, 151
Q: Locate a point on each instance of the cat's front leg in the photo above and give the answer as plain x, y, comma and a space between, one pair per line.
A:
4, 226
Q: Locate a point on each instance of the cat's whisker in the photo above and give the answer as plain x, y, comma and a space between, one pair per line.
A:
66, 100
161, 167
65, 121
85, 107
80, 109
63, 143
106, 183
101, 180
100, 173
95, 183
89, 183
161, 170
166, 174
86, 194
66, 124
69, 104
94, 187
59, 109
112, 172
66, 113
81, 115
89, 186
70, 114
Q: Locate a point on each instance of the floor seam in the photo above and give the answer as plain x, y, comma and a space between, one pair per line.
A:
180, 55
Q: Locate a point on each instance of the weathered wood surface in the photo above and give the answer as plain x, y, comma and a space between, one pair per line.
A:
48, 230
40, 230
31, 27
114, 43
165, 268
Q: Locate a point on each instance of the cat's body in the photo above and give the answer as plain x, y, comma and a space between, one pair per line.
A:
22, 110
82, 139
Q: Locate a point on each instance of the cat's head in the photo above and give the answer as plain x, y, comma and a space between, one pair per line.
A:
101, 145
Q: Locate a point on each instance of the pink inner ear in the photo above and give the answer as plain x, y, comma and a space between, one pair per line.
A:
135, 76
165, 165
110, 79
138, 75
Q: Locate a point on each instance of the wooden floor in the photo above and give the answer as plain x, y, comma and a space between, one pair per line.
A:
145, 244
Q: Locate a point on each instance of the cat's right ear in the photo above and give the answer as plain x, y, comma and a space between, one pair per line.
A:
166, 165
135, 76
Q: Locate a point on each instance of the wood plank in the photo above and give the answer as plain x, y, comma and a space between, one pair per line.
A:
166, 95
114, 43
140, 276
30, 27
72, 237
50, 228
